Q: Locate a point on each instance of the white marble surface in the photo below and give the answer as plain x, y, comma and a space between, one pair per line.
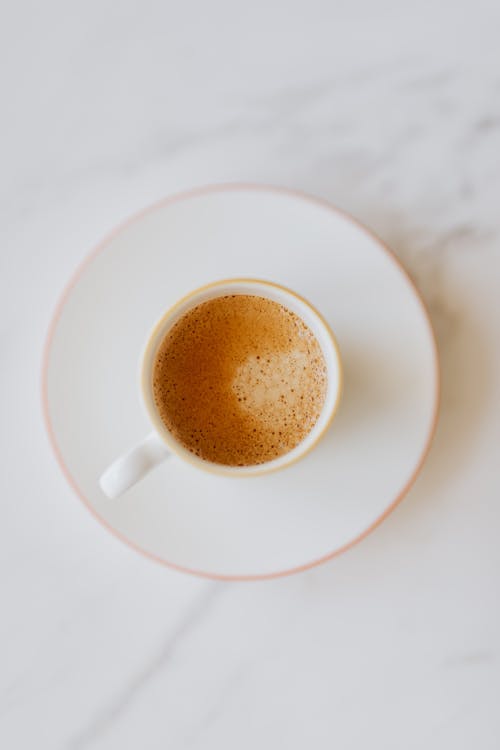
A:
392, 111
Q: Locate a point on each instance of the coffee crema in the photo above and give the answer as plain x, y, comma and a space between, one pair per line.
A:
239, 380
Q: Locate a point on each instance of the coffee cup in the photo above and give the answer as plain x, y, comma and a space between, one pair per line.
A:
261, 396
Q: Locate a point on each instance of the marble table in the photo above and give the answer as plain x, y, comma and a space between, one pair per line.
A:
390, 110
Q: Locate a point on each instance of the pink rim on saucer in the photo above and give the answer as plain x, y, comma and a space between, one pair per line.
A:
102, 246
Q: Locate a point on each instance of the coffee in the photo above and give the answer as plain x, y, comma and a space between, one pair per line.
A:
239, 380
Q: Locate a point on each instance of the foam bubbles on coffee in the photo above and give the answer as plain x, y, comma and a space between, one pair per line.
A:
239, 380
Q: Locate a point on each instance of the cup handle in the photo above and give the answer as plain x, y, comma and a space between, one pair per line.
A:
133, 466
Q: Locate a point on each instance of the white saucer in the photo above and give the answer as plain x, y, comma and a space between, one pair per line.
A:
261, 526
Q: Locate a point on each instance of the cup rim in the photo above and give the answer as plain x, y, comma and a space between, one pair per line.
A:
252, 470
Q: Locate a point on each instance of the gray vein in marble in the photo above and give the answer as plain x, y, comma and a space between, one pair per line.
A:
279, 107
110, 714
291, 101
215, 710
487, 123
152, 150
431, 80
469, 659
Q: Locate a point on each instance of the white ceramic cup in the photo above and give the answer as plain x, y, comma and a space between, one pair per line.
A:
160, 443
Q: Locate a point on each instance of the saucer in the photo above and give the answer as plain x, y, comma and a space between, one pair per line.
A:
256, 527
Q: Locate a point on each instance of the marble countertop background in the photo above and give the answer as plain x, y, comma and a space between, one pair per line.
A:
390, 110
